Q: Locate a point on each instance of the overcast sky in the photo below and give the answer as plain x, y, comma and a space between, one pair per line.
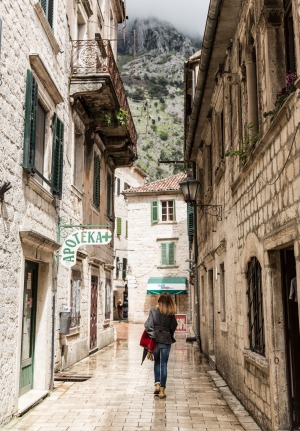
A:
186, 15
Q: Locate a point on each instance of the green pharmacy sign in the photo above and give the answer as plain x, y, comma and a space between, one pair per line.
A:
79, 238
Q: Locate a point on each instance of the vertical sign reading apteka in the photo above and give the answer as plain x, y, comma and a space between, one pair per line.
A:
82, 237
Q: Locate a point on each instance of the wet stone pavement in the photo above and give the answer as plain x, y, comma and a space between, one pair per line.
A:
119, 394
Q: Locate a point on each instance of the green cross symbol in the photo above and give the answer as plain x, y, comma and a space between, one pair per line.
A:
107, 236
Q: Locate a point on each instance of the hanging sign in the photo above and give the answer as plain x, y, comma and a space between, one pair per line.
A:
79, 238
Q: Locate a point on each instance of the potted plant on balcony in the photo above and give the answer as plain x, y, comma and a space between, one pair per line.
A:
283, 94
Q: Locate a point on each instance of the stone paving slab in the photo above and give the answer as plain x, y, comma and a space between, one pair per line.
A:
119, 394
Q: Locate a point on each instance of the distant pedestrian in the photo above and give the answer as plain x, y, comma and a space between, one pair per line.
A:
120, 310
160, 325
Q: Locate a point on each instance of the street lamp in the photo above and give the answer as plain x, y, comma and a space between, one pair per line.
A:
190, 188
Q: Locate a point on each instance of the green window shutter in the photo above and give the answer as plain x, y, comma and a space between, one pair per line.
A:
168, 253
126, 231
57, 155
154, 212
164, 259
117, 267
30, 122
47, 6
108, 195
96, 181
119, 226
171, 253
124, 272
190, 220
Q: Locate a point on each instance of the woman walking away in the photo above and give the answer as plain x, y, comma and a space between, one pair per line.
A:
161, 324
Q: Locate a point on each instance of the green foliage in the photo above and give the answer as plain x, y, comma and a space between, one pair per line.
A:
249, 141
122, 117
164, 135
154, 127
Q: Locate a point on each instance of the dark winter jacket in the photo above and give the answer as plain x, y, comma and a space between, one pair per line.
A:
161, 327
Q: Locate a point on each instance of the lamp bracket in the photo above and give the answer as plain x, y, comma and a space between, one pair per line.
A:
214, 210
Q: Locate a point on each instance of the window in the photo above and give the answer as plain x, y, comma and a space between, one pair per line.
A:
126, 229
164, 210
117, 267
190, 222
118, 186
222, 293
36, 146
167, 253
289, 37
47, 6
119, 226
75, 298
124, 272
107, 299
255, 307
96, 181
78, 161
167, 210
154, 212
109, 189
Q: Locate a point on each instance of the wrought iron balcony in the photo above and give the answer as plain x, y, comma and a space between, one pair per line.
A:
98, 95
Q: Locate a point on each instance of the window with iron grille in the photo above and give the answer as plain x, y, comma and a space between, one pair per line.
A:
75, 298
255, 307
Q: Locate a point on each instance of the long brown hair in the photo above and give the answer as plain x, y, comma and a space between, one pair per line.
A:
166, 305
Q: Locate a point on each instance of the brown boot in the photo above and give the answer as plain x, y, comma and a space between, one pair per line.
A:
162, 392
156, 388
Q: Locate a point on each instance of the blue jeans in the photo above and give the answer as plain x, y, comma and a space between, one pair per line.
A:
161, 356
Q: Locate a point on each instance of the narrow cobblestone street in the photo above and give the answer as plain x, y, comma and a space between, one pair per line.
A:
119, 394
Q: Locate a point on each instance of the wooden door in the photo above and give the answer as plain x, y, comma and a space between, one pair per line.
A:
292, 334
28, 326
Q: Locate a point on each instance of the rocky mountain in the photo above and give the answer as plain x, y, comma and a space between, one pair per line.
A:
151, 60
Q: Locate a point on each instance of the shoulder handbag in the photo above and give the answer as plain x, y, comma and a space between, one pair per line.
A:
147, 342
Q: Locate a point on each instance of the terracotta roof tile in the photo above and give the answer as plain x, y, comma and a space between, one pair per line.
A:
167, 184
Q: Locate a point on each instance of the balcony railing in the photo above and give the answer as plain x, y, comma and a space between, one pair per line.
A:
93, 57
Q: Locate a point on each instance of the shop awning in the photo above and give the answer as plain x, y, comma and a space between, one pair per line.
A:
172, 285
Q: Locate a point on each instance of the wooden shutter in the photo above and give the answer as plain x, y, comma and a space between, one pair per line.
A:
164, 258
47, 6
190, 220
117, 267
57, 155
174, 210
124, 272
96, 181
168, 253
108, 195
30, 122
119, 226
118, 186
171, 253
154, 212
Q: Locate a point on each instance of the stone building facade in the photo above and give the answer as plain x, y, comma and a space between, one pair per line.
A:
242, 135
125, 178
61, 140
157, 246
